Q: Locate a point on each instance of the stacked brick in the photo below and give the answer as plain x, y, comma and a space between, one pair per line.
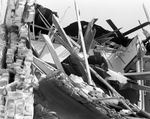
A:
18, 91
16, 78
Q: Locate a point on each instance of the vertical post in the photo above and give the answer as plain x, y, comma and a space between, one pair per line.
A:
139, 68
142, 83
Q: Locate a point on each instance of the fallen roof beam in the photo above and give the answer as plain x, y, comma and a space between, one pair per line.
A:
90, 81
138, 76
89, 35
138, 87
136, 28
61, 31
108, 34
113, 26
53, 53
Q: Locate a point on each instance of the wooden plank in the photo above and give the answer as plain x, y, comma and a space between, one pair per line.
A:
136, 28
83, 45
108, 34
138, 87
44, 67
53, 53
138, 76
114, 28
89, 35
61, 31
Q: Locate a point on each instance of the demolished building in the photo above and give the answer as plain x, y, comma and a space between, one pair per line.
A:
46, 76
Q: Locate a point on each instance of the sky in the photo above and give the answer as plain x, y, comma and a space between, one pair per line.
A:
124, 13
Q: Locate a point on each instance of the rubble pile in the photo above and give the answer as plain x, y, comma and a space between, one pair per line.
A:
18, 76
93, 98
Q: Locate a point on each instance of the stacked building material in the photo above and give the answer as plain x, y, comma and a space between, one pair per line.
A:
16, 92
16, 98
19, 97
16, 78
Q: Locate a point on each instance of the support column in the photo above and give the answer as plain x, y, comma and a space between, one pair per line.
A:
139, 68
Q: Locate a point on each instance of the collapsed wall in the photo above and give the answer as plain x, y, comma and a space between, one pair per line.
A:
16, 78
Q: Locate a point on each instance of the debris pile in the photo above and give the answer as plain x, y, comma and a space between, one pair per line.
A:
93, 98
18, 66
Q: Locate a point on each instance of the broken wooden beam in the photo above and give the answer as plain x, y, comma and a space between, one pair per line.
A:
89, 35
83, 46
53, 53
